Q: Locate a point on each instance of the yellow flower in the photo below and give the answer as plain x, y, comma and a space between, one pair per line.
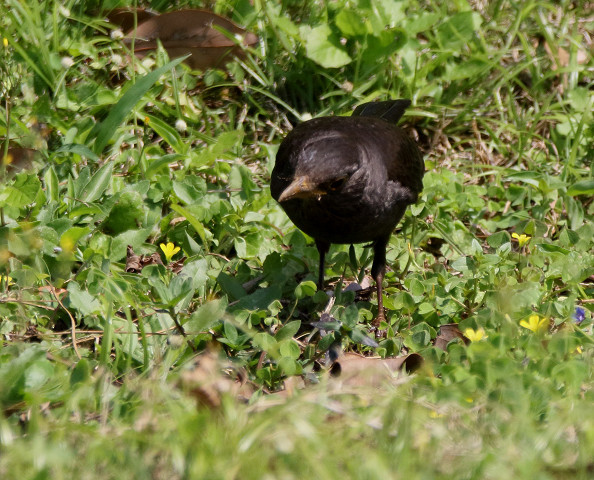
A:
169, 250
475, 335
6, 280
522, 239
536, 324
5, 42
7, 160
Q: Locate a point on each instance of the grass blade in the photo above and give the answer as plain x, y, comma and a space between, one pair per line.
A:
104, 131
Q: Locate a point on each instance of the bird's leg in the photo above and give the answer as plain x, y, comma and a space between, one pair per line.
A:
378, 269
323, 248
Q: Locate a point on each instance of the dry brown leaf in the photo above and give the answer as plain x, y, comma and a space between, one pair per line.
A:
563, 57
17, 159
211, 378
135, 263
177, 265
60, 292
124, 17
191, 32
447, 333
355, 370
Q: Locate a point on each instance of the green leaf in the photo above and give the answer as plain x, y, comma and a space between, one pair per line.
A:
457, 30
350, 316
358, 336
288, 331
38, 374
583, 187
260, 299
473, 68
193, 221
162, 163
416, 288
323, 47
97, 184
230, 333
167, 132
231, 286
135, 238
181, 290
70, 237
22, 192
206, 316
422, 23
191, 190
264, 341
350, 24
305, 289
290, 348
81, 150
81, 372
104, 131
498, 239
464, 264
327, 326
82, 300
529, 177
126, 214
550, 248
288, 366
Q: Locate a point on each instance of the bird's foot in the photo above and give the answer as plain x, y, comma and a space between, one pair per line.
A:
376, 325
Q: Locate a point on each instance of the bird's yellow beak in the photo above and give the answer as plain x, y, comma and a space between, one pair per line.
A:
301, 187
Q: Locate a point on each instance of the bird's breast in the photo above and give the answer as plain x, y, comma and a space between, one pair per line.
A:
344, 219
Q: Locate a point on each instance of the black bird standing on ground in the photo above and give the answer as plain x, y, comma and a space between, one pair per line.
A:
349, 180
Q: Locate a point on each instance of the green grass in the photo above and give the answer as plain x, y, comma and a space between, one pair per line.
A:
109, 373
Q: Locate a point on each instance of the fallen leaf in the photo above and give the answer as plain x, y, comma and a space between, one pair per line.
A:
124, 17
563, 57
17, 159
211, 378
135, 263
356, 370
195, 32
176, 266
447, 333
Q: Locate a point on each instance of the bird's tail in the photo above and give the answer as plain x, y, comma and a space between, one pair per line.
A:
389, 110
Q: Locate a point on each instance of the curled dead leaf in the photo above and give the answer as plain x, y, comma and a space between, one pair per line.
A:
561, 58
135, 263
447, 333
356, 370
17, 159
124, 17
211, 378
195, 32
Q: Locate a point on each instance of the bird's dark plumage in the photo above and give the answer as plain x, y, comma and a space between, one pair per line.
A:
349, 179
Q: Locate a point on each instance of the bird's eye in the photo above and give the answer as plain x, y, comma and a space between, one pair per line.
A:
336, 184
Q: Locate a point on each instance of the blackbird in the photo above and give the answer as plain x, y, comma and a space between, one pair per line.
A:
349, 180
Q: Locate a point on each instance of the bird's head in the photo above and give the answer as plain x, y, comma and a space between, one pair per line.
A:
308, 186
324, 165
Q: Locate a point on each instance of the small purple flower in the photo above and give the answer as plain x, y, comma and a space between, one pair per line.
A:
580, 315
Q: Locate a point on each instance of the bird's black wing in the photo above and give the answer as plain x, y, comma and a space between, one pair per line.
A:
390, 110
400, 153
405, 165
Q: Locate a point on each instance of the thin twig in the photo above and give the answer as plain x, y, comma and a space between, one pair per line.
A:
72, 321
180, 328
